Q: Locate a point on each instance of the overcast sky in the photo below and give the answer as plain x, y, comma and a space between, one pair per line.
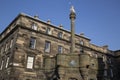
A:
99, 20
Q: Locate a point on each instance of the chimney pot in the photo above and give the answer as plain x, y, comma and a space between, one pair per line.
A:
61, 26
81, 34
48, 21
36, 17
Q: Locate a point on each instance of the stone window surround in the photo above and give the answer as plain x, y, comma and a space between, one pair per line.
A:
34, 26
32, 44
7, 61
60, 49
30, 62
47, 46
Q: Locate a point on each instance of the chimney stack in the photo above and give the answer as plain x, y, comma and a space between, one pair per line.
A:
36, 17
48, 21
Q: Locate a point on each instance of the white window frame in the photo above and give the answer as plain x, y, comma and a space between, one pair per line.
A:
48, 30
30, 62
104, 58
32, 43
60, 49
34, 26
82, 42
7, 62
47, 46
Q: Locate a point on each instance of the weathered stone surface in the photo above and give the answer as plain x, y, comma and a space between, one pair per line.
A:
87, 62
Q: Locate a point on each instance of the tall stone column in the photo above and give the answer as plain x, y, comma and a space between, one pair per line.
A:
72, 18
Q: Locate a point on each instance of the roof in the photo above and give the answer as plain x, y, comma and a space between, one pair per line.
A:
38, 20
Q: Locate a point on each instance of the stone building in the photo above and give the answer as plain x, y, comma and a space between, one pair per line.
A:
32, 49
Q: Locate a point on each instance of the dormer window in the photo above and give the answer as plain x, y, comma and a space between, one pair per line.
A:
60, 35
34, 26
48, 30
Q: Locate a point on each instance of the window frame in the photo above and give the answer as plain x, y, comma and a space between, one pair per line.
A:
11, 43
31, 63
48, 31
7, 62
6, 46
32, 43
60, 49
81, 49
60, 35
2, 64
105, 72
34, 26
2, 50
111, 73
47, 45
81, 42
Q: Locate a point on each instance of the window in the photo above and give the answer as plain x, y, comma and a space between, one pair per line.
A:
32, 43
11, 43
104, 58
6, 47
1, 65
47, 46
1, 52
30, 62
105, 72
60, 49
81, 50
7, 62
94, 54
81, 42
110, 60
60, 35
48, 31
111, 72
34, 26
